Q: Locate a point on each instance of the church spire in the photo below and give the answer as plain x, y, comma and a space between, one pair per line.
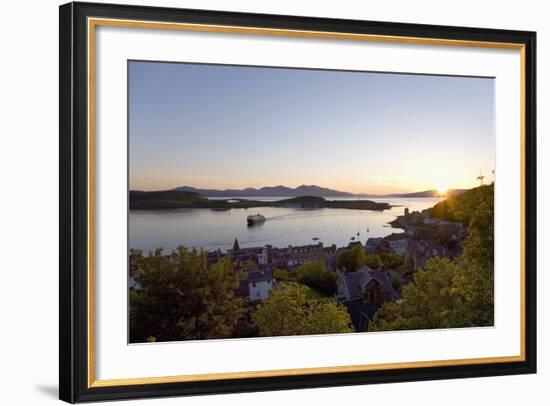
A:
236, 246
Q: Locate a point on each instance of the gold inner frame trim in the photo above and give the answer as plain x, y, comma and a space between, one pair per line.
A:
94, 22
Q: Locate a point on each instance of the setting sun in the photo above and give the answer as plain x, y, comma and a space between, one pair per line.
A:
442, 189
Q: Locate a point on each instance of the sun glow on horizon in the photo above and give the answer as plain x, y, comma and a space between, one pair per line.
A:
442, 189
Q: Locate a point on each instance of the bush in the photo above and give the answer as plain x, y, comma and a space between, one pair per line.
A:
280, 274
316, 276
351, 260
288, 312
391, 261
373, 261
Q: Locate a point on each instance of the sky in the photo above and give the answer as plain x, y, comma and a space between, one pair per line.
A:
223, 126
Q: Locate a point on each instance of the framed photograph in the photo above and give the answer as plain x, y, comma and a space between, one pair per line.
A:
257, 202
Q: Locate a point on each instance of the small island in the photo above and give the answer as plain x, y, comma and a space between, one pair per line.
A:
171, 199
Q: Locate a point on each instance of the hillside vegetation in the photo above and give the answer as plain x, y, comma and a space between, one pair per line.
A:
164, 199
452, 294
464, 207
173, 199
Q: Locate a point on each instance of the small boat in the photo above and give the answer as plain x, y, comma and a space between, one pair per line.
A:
358, 233
315, 238
352, 238
255, 219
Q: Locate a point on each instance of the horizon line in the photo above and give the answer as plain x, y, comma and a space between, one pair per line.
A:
296, 187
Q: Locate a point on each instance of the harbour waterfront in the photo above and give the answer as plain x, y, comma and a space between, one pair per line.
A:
217, 229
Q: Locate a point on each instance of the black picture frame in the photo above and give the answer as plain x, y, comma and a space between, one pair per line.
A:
73, 283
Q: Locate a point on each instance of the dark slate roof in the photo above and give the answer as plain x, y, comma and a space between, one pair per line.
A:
374, 241
260, 276
380, 276
358, 279
353, 281
360, 313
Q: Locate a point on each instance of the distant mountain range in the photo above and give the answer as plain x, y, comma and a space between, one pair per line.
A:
268, 191
303, 190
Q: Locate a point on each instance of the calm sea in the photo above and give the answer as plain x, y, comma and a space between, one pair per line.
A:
212, 229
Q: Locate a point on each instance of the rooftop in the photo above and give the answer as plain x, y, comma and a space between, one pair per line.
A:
358, 279
260, 276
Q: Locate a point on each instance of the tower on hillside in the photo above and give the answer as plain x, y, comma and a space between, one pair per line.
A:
480, 178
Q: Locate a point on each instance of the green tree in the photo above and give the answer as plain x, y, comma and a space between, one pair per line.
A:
280, 274
288, 312
316, 276
430, 302
475, 209
326, 316
245, 327
351, 259
402, 269
391, 261
373, 261
396, 283
182, 298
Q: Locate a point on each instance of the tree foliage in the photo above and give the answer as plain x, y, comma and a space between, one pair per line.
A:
431, 302
182, 298
474, 205
391, 261
452, 294
373, 261
280, 274
288, 312
352, 259
316, 276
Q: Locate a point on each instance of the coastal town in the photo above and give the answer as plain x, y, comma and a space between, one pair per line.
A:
363, 290
350, 202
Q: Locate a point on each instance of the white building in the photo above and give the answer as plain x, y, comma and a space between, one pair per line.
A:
260, 284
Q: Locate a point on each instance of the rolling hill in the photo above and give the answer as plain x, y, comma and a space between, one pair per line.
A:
268, 191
